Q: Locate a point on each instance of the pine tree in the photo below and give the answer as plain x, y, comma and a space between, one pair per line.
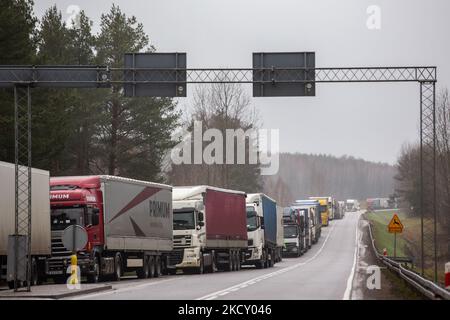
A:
17, 46
133, 133
51, 125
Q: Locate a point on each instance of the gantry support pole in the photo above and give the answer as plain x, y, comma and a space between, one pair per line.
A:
22, 133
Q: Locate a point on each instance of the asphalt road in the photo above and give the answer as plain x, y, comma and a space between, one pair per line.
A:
324, 272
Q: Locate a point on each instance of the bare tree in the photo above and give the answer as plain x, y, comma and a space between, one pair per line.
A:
220, 106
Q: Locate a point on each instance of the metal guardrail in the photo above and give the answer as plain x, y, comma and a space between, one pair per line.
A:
424, 286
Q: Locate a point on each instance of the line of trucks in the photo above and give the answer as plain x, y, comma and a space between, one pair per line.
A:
153, 229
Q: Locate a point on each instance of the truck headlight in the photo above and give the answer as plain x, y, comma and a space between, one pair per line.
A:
190, 254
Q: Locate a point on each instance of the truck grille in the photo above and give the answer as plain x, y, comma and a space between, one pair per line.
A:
182, 241
60, 254
176, 257
58, 249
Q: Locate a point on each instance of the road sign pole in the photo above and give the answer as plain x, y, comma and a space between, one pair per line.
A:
395, 245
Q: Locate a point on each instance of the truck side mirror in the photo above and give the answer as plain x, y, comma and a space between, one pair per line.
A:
201, 223
95, 216
261, 220
200, 217
95, 219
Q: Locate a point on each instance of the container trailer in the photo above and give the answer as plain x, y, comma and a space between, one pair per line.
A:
314, 207
40, 219
294, 226
280, 235
324, 208
210, 229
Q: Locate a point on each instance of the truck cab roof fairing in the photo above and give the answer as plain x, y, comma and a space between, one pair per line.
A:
93, 181
195, 192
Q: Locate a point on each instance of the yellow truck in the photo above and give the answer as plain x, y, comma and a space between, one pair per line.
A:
325, 209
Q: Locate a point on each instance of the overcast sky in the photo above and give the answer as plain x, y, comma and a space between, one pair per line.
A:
370, 121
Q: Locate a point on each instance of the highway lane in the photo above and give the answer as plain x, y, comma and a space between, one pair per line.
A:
324, 272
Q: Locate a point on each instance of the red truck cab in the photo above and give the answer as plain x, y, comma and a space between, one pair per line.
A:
75, 200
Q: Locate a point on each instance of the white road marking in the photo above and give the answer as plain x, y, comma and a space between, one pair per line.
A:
120, 290
348, 289
247, 283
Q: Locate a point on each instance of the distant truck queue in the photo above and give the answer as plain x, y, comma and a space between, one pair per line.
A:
153, 229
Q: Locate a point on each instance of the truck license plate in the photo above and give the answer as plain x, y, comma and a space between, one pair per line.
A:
54, 272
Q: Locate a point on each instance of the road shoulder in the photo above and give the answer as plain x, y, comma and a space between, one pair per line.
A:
391, 286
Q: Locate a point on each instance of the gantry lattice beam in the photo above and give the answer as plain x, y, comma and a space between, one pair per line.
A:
104, 76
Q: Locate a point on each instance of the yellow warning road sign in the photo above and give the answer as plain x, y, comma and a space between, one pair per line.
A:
395, 226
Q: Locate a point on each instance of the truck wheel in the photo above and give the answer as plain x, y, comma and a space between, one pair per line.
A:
95, 277
235, 259
34, 273
151, 266
270, 261
171, 272
11, 284
266, 260
143, 272
158, 267
230, 265
201, 268
117, 267
238, 261
213, 267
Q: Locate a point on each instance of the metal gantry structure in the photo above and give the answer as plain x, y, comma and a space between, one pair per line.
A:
101, 76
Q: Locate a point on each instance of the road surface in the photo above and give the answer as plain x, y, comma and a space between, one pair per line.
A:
325, 272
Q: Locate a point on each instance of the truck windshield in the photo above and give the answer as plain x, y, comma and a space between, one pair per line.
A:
323, 208
252, 219
290, 232
61, 218
183, 220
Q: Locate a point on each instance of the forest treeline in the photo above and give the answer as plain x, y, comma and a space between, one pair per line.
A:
83, 131
304, 175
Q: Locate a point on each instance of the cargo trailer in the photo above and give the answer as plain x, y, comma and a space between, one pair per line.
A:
40, 221
210, 229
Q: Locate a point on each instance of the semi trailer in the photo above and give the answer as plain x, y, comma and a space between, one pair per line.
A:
351, 205
280, 235
341, 209
324, 208
128, 223
262, 230
295, 243
316, 220
40, 220
209, 229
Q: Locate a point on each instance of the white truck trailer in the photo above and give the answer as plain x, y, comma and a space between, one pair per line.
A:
40, 220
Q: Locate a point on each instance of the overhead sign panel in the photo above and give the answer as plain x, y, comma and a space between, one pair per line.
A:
278, 74
55, 76
155, 75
